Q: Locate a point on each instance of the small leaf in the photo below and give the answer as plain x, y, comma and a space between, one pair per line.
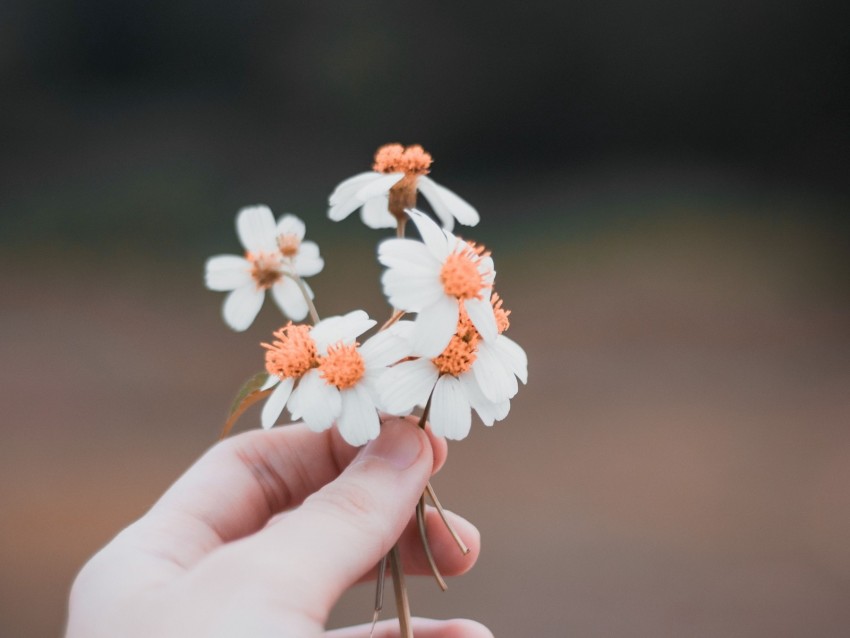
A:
249, 387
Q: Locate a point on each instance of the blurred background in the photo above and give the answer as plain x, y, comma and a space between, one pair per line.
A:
665, 190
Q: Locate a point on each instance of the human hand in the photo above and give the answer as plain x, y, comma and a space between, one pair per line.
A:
263, 535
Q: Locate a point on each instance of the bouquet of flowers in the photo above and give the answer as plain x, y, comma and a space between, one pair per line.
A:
451, 359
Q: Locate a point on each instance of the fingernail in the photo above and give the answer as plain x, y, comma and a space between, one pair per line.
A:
399, 444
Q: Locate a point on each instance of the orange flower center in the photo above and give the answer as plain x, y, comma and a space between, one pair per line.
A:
265, 269
502, 321
342, 366
459, 355
292, 353
413, 161
289, 245
460, 275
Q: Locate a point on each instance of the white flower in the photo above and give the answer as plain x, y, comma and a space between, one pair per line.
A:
470, 374
435, 278
387, 191
274, 255
337, 378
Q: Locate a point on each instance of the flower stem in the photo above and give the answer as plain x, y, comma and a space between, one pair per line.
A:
433, 496
247, 402
314, 316
401, 601
398, 314
379, 593
423, 534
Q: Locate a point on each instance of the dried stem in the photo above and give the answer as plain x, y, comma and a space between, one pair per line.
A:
433, 496
423, 534
401, 601
398, 314
379, 593
314, 315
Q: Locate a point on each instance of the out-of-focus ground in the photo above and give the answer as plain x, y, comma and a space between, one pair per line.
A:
679, 464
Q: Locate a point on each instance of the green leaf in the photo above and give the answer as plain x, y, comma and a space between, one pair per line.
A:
248, 388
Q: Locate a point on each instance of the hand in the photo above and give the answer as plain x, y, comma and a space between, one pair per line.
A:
264, 533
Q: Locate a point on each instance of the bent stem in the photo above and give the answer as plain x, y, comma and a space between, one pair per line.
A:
433, 496
423, 534
314, 315
401, 601
379, 593
247, 402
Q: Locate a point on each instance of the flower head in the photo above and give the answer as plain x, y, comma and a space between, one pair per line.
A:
275, 255
324, 375
438, 278
386, 192
469, 374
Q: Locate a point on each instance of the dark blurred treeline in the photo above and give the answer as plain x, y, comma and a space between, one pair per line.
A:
121, 115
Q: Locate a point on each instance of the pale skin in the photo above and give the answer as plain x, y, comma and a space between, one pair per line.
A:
263, 534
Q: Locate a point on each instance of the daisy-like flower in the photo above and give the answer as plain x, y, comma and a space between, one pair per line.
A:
387, 191
436, 278
469, 374
275, 255
323, 375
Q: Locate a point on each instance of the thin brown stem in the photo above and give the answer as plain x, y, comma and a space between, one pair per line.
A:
379, 593
423, 534
247, 402
398, 314
433, 496
401, 601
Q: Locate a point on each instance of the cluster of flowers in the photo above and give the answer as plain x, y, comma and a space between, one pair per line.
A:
452, 359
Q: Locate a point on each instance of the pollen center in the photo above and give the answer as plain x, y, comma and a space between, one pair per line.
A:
342, 366
459, 355
289, 245
502, 314
413, 161
460, 275
292, 353
265, 269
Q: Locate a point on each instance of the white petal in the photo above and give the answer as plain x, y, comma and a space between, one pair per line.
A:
481, 314
435, 239
447, 203
411, 293
319, 404
227, 272
384, 349
291, 225
343, 209
495, 380
380, 185
488, 411
345, 190
307, 261
271, 382
274, 404
409, 254
435, 326
290, 299
242, 306
256, 229
450, 413
376, 214
358, 420
406, 385
345, 328
513, 356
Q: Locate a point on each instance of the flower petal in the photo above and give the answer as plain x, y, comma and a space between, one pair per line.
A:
411, 293
488, 411
345, 328
446, 203
409, 255
358, 420
256, 229
375, 213
436, 240
242, 306
383, 349
434, 327
513, 356
318, 403
289, 224
481, 314
227, 272
450, 411
290, 299
275, 403
495, 380
407, 385
345, 190
382, 184
308, 262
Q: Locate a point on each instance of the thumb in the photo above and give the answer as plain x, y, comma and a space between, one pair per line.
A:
307, 558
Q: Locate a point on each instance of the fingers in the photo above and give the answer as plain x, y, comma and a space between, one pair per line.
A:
422, 627
238, 485
450, 560
307, 558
